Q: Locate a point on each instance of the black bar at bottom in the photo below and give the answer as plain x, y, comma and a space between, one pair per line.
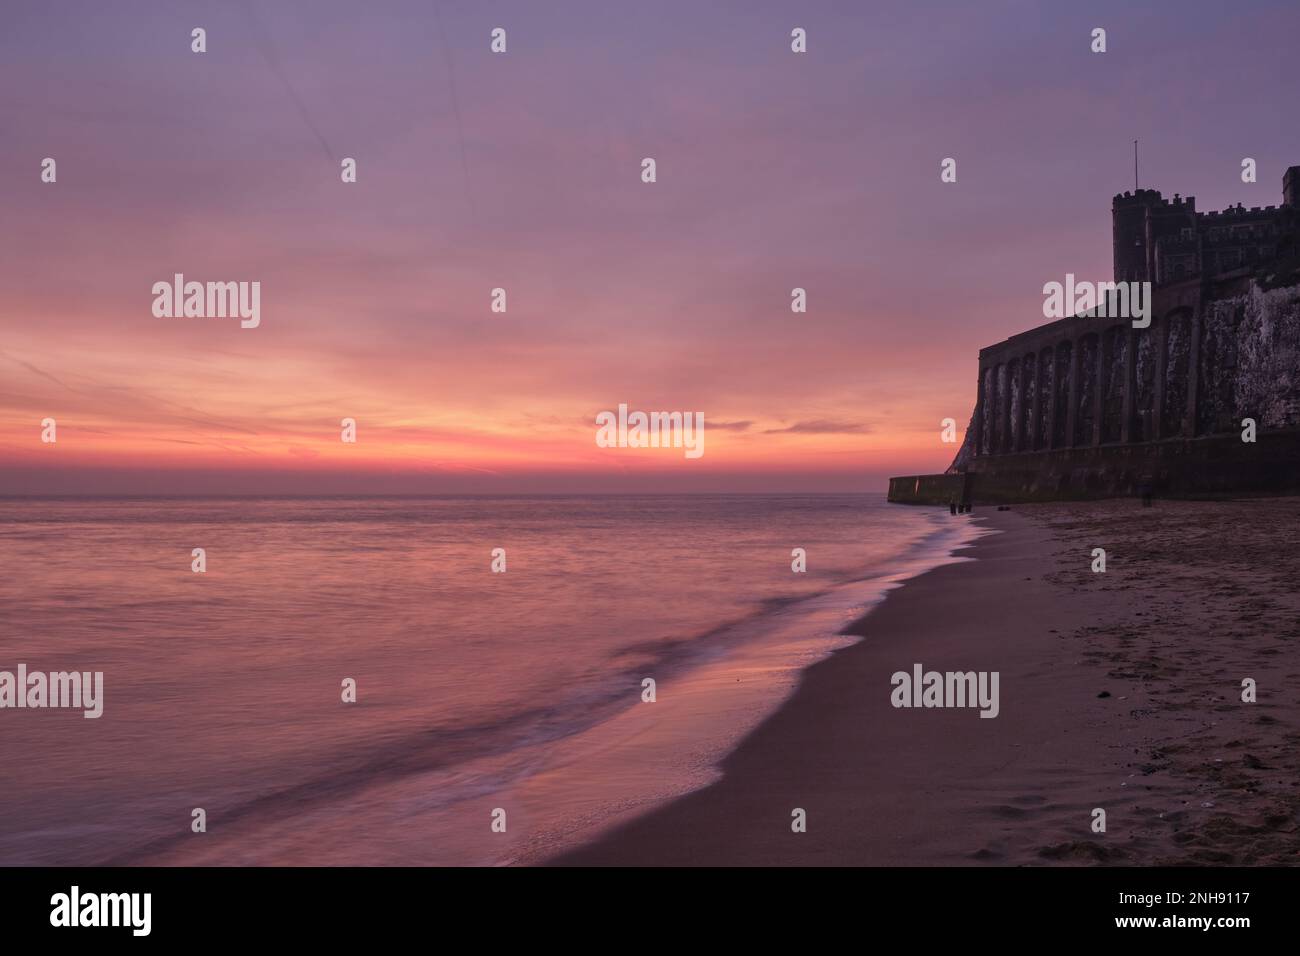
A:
333, 906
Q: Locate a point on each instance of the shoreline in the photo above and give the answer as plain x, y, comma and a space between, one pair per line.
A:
567, 786
864, 772
1085, 722
648, 757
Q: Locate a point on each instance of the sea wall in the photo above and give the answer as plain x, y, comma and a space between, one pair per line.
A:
929, 489
1089, 406
1217, 466
1210, 467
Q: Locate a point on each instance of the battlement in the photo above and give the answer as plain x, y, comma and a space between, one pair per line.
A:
1161, 240
1240, 210
1152, 197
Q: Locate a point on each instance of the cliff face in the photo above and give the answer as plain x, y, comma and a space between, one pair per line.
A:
1208, 361
1250, 360
1247, 366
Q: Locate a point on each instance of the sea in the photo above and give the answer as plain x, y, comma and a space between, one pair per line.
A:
509, 704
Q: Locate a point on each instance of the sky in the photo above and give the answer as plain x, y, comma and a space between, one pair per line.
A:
522, 171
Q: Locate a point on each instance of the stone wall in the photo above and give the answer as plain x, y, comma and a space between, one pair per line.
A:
1092, 391
1217, 466
929, 489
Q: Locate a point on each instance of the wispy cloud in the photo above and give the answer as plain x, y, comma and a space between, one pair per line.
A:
821, 426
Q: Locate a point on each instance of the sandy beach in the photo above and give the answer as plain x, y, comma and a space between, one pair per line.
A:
1118, 690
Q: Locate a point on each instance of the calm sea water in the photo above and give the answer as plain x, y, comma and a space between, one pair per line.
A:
477, 691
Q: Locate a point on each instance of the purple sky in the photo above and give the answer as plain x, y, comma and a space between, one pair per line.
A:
475, 170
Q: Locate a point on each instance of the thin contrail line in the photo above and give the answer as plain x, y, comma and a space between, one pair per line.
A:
266, 46
455, 105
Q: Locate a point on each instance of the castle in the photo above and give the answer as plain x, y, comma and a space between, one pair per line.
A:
1090, 406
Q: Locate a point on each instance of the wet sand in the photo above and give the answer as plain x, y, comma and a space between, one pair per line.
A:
1119, 691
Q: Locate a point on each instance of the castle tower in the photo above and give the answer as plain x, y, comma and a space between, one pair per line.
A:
1138, 221
1291, 187
1131, 243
